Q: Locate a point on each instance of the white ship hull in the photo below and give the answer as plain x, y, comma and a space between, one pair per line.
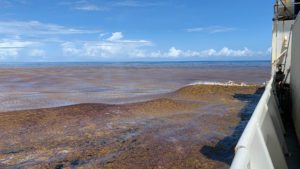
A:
263, 144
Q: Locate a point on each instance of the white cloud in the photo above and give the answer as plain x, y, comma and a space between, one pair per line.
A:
38, 53
208, 52
38, 28
8, 43
117, 46
116, 36
12, 47
69, 48
8, 52
173, 52
224, 52
90, 7
85, 5
211, 29
231, 52
103, 34
111, 47
136, 3
200, 29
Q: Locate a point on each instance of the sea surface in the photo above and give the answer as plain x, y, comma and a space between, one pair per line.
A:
43, 85
126, 115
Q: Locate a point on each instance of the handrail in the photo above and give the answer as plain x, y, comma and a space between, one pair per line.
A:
275, 62
281, 5
246, 137
260, 146
286, 7
285, 52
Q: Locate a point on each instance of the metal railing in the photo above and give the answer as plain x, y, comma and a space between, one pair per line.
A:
262, 144
284, 11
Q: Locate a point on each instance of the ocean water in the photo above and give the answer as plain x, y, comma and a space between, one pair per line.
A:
43, 85
180, 114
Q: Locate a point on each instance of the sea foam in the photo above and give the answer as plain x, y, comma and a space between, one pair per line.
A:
229, 83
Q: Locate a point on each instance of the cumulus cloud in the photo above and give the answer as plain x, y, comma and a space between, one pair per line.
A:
224, 52
8, 52
69, 48
231, 52
12, 47
173, 52
115, 45
211, 29
115, 36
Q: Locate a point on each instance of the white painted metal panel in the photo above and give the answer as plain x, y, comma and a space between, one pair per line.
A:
295, 76
261, 145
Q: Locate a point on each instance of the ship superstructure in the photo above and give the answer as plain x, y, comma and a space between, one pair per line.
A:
266, 142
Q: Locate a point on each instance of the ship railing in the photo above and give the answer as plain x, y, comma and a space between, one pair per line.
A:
262, 144
286, 11
280, 58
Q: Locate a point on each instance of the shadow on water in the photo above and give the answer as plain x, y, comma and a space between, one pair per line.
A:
223, 151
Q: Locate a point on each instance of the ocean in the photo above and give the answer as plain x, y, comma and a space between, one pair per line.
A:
126, 115
42, 85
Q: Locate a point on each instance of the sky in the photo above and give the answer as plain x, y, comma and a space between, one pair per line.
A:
134, 30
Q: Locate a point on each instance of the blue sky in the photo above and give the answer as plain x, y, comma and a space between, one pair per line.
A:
134, 30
